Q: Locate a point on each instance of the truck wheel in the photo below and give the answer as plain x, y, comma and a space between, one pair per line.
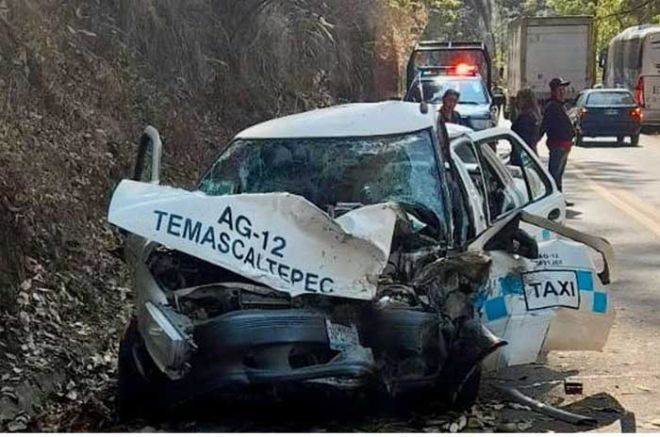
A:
634, 140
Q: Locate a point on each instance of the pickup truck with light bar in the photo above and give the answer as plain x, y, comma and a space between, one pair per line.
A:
434, 67
475, 105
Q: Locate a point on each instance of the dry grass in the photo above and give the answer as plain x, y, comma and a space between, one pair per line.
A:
79, 79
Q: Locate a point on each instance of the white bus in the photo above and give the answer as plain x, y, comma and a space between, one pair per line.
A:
633, 62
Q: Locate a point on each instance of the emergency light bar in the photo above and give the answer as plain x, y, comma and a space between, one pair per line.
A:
449, 70
432, 53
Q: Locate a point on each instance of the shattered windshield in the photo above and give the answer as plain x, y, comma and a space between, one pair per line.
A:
329, 171
472, 91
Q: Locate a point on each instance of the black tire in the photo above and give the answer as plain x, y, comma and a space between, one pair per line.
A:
467, 394
634, 140
133, 399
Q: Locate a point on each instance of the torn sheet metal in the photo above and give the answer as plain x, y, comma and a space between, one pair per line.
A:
555, 302
599, 244
279, 239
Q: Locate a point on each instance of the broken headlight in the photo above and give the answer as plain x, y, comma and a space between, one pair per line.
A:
165, 336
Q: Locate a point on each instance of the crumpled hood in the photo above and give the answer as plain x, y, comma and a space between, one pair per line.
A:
280, 240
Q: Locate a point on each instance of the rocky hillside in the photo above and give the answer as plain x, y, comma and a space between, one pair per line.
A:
79, 79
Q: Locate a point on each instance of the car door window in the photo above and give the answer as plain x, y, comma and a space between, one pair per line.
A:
528, 175
147, 161
143, 169
538, 186
501, 192
498, 193
466, 153
463, 222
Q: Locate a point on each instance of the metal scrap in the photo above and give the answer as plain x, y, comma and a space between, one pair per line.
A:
548, 410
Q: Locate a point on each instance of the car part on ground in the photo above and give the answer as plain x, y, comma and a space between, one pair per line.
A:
573, 386
554, 412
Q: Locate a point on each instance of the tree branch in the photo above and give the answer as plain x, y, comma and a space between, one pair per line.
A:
629, 11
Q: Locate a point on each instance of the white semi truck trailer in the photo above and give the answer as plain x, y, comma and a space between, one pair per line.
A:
541, 48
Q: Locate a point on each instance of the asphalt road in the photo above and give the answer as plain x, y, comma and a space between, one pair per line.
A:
616, 191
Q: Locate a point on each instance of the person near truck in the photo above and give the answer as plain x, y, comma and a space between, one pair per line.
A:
447, 111
527, 123
559, 129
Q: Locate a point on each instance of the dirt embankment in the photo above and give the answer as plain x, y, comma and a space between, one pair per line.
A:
79, 79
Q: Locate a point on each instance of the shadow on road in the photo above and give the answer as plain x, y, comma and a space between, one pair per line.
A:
602, 407
373, 414
613, 172
608, 145
573, 213
546, 385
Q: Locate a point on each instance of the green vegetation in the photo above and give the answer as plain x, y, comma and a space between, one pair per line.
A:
612, 16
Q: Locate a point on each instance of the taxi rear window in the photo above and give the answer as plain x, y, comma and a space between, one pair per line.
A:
610, 98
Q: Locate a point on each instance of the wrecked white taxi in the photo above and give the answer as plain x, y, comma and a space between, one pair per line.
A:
342, 248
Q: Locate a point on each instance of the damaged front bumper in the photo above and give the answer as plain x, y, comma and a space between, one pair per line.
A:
406, 313
396, 350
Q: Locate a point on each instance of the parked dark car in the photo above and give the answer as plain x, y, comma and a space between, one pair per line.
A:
607, 112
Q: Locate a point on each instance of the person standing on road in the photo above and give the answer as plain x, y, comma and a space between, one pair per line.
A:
558, 127
447, 111
527, 123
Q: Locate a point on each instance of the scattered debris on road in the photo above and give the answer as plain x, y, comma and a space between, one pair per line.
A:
572, 386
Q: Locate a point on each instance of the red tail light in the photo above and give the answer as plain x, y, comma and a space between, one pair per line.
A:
639, 92
636, 113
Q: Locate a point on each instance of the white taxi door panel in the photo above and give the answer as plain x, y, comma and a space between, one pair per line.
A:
555, 302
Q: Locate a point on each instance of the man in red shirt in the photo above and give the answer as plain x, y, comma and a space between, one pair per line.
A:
560, 130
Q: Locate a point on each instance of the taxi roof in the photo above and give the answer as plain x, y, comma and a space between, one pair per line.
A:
348, 120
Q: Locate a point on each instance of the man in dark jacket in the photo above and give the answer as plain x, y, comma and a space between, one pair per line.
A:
559, 129
448, 112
